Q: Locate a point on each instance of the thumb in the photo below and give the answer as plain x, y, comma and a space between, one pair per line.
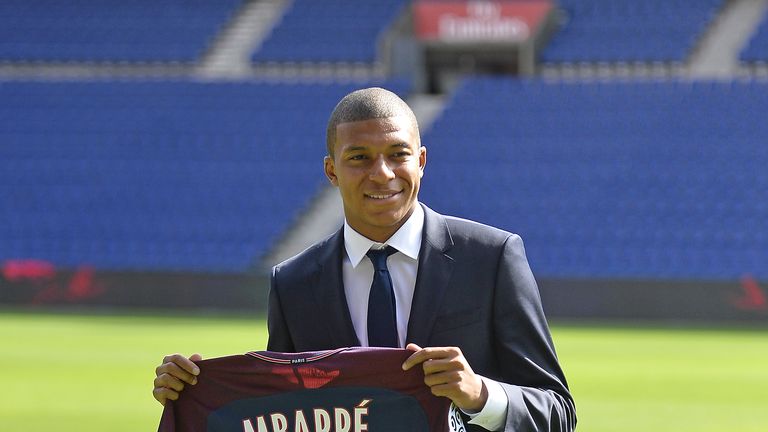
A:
195, 357
411, 361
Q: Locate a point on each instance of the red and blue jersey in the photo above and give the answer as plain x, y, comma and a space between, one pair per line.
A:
345, 390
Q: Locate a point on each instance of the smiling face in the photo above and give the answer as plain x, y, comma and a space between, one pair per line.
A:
377, 165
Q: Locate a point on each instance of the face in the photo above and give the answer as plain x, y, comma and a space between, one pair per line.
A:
377, 165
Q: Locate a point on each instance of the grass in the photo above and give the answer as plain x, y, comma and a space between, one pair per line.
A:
92, 373
653, 379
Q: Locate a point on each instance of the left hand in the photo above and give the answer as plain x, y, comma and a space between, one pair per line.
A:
447, 373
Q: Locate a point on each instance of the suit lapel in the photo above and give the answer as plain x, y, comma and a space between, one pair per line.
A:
328, 287
434, 273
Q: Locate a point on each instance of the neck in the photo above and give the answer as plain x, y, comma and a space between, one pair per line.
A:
383, 234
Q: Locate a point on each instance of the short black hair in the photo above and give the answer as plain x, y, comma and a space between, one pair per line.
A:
366, 104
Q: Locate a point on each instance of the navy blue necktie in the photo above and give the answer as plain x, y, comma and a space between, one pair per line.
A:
382, 318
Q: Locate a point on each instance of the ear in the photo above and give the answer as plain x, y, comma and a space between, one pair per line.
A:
422, 160
330, 170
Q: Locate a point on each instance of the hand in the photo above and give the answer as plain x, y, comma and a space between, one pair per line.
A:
447, 373
173, 374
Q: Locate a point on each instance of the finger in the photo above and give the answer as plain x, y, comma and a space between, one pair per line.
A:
195, 357
442, 378
463, 393
185, 363
412, 347
433, 366
174, 370
162, 395
412, 361
425, 354
168, 381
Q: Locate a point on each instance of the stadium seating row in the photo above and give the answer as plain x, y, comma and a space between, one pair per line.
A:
641, 180
329, 31
110, 30
179, 176
180, 30
627, 30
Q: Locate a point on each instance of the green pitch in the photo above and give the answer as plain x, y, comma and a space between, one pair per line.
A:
93, 373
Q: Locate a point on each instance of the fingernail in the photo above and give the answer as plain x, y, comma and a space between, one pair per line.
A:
196, 370
194, 380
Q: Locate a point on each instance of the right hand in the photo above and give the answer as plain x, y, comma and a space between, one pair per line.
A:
173, 374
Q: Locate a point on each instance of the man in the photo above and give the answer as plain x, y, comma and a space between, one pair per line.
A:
462, 290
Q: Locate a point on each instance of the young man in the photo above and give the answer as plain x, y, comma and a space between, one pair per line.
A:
462, 290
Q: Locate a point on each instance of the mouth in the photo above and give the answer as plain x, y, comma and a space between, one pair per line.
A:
382, 195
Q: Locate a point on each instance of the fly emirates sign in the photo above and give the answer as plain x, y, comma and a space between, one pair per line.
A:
479, 21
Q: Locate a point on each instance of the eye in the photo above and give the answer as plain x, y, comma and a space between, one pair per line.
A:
357, 157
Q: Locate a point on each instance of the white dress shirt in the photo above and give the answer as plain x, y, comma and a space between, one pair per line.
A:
357, 274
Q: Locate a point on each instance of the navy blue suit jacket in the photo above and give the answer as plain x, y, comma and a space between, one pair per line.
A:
474, 290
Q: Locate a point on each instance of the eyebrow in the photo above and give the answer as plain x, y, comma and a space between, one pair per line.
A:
362, 148
354, 149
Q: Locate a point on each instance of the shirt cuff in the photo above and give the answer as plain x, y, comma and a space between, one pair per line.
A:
493, 416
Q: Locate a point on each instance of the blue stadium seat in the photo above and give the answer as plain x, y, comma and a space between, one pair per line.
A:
611, 179
158, 175
110, 30
628, 31
329, 31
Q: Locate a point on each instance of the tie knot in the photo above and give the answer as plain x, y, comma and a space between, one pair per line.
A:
379, 257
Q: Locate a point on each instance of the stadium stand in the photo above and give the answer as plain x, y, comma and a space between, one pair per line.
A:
629, 31
757, 49
612, 180
172, 176
627, 180
110, 30
329, 31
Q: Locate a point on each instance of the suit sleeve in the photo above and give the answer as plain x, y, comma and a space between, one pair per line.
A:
279, 335
537, 392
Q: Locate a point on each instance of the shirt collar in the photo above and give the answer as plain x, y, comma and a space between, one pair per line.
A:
406, 240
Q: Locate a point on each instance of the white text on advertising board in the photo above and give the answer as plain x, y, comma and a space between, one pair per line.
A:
483, 21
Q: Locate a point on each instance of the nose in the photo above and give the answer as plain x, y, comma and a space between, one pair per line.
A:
380, 171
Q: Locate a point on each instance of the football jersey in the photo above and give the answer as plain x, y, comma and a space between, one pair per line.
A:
344, 390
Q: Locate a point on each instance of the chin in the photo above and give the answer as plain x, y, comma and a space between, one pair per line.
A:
387, 219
